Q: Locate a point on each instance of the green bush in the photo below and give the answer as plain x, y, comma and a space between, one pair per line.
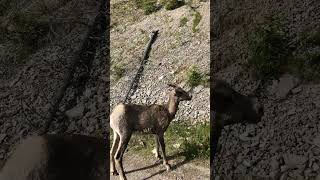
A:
173, 4
149, 6
268, 50
195, 77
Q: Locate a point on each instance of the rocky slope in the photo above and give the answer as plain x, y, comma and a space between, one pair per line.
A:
31, 82
176, 49
285, 143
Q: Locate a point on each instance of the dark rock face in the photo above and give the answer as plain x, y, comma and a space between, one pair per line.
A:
284, 144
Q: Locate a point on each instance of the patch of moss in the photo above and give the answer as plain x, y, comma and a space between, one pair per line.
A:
118, 71
196, 20
183, 21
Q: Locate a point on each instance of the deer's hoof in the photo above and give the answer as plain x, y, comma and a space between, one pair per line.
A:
168, 167
158, 157
115, 173
123, 178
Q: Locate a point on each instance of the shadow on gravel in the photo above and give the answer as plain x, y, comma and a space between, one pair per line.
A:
173, 166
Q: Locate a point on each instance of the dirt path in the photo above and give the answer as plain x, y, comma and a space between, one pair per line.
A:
138, 167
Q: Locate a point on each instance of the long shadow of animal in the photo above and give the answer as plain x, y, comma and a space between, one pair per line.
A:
57, 157
230, 107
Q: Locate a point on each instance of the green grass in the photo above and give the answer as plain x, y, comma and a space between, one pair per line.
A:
193, 141
268, 50
194, 77
183, 21
172, 4
118, 71
148, 6
196, 20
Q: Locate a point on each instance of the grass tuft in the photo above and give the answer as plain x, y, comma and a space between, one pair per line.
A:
149, 6
195, 77
118, 71
183, 21
172, 4
196, 20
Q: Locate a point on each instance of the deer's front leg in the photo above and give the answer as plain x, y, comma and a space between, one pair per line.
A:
157, 153
163, 149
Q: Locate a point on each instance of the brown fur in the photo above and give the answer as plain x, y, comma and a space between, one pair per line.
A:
126, 119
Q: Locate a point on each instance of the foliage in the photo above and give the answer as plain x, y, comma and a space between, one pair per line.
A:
268, 50
172, 4
149, 6
195, 77
193, 141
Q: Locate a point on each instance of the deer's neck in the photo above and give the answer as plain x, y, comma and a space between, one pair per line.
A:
172, 106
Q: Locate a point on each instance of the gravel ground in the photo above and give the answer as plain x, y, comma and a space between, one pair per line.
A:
24, 104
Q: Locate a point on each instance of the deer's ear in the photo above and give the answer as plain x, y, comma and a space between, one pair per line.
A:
172, 85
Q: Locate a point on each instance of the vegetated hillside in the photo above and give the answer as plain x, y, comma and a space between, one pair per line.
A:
52, 67
274, 44
179, 55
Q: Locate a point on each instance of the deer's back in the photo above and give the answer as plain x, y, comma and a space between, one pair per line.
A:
148, 119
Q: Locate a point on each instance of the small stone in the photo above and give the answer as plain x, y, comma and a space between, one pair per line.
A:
296, 90
161, 77
292, 160
315, 167
286, 83
87, 93
197, 89
2, 136
76, 111
246, 163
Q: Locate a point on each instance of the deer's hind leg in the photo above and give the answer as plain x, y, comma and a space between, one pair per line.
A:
124, 140
114, 147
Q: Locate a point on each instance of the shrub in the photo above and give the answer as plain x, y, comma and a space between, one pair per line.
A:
195, 77
149, 6
268, 51
173, 4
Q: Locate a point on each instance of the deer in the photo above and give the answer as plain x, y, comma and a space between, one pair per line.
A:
127, 119
57, 157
